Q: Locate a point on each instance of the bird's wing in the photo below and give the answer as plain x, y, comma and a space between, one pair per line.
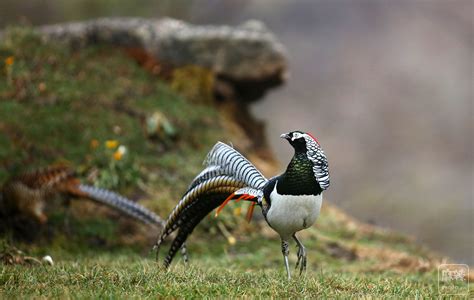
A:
320, 163
228, 176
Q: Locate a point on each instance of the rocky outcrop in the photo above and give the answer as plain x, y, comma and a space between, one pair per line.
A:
247, 58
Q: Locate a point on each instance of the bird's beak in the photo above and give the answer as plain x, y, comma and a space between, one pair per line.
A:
285, 136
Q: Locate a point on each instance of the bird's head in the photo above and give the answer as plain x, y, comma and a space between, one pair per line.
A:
306, 143
299, 140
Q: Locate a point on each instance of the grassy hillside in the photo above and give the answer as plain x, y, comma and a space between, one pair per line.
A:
77, 107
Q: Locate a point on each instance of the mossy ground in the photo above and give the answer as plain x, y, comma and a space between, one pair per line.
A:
55, 101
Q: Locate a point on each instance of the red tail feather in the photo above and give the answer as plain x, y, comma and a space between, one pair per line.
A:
241, 197
224, 203
250, 211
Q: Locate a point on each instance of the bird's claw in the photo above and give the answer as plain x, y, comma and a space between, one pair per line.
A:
301, 259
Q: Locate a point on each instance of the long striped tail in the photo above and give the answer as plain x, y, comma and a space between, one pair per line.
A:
120, 203
61, 179
228, 175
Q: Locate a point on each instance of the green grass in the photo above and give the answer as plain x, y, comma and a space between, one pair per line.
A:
252, 267
54, 101
129, 275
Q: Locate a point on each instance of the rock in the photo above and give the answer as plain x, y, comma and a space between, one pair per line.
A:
247, 55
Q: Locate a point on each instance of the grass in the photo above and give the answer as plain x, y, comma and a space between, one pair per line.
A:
124, 277
54, 101
252, 267
241, 274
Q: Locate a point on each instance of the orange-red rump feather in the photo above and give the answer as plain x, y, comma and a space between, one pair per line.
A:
241, 197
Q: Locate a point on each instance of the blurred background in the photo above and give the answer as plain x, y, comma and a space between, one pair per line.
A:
386, 86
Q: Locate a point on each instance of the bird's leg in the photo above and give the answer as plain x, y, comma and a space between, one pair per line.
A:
184, 253
301, 255
285, 251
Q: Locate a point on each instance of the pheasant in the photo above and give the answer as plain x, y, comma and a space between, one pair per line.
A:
289, 202
28, 193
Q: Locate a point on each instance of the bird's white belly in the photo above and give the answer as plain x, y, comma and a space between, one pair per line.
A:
290, 213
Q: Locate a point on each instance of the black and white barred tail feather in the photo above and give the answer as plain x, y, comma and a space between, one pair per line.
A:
193, 217
226, 172
206, 174
196, 201
236, 165
225, 160
205, 187
122, 204
188, 219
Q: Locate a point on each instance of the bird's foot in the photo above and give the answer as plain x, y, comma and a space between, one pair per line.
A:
301, 259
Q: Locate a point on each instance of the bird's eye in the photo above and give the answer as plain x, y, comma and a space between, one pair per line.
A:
295, 136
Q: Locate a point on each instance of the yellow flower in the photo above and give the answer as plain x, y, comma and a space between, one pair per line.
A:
9, 60
111, 144
94, 144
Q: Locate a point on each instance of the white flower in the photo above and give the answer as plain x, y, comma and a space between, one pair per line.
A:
122, 149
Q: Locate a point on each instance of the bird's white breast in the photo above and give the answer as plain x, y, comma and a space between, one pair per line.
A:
291, 213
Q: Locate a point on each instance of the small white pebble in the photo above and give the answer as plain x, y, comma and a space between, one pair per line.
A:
48, 260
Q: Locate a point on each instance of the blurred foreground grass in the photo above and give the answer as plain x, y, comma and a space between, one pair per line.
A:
126, 276
55, 102
342, 262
